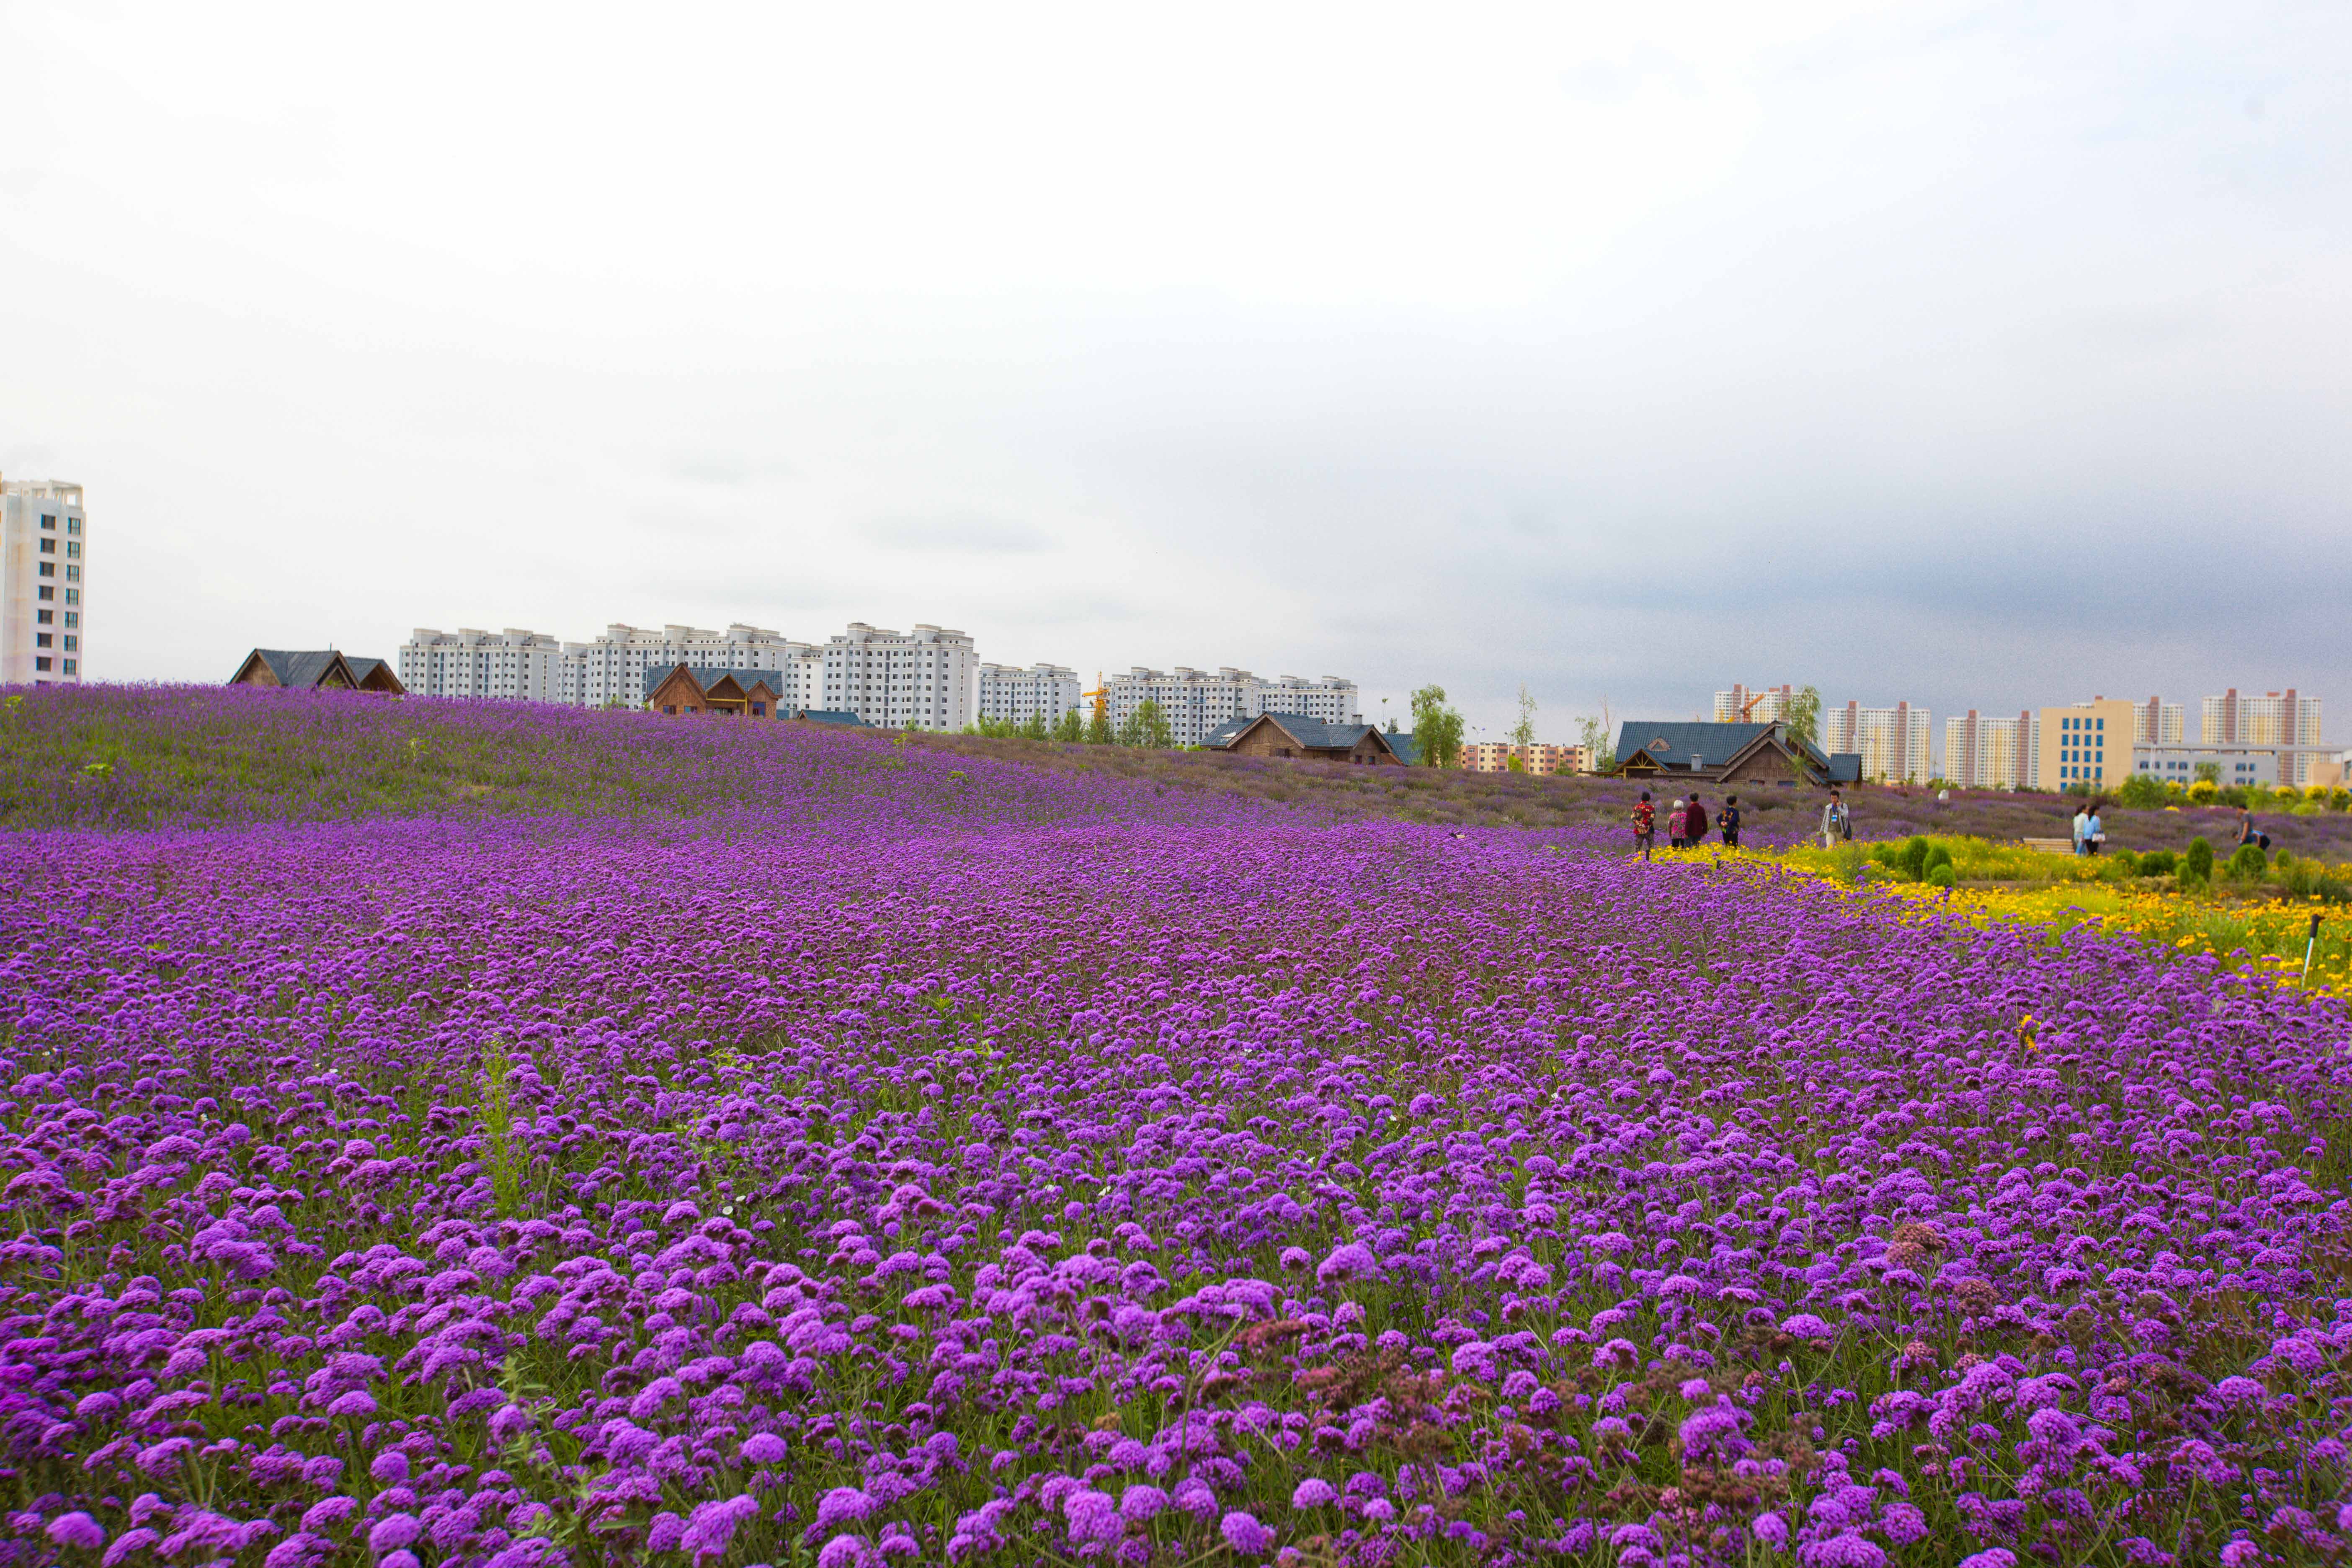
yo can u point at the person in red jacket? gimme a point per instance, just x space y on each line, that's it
1693 822
1646 825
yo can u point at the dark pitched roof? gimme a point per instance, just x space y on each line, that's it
1407 749
363 667
298 666
1673 744
1717 745
707 678
1312 733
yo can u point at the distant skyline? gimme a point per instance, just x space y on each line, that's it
1974 354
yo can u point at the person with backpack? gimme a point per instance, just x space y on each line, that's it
1693 822
1836 824
1728 821
2246 833
1646 825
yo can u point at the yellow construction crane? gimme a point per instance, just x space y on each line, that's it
1101 695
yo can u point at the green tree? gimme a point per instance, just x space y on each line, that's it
2141 791
1033 727
1147 727
1070 728
1599 744
1800 724
1098 731
1523 733
1436 729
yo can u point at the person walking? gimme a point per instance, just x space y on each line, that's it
1727 819
2246 833
2082 830
1646 825
1675 825
2095 836
1694 824
1835 824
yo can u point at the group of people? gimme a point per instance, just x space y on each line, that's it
1685 823
2090 833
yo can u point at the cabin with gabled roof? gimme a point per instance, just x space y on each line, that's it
1728 754
1289 735
317 669
729 693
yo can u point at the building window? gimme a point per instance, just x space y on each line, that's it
73 643
49 547
73 548
73 525
49 594
70 667
45 616
73 596
41 639
48 521
73 573
41 664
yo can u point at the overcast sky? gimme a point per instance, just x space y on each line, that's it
1973 355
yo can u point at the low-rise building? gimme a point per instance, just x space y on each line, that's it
1732 754
323 670
1290 735
1540 758
684 690
2177 763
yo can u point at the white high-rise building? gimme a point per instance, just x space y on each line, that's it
920 679
612 671
1893 742
1743 705
1984 752
44 547
2157 722
515 663
1196 704
2279 719
1011 695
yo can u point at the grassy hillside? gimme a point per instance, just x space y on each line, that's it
162 756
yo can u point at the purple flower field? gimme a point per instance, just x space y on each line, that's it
864 1158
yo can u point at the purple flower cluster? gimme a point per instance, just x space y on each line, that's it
846 1176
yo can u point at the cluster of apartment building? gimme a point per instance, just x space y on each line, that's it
931 677
1540 757
2244 739
44 556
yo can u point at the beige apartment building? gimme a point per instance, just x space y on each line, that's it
44 552
1542 758
2088 744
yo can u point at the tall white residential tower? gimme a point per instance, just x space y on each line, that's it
44 548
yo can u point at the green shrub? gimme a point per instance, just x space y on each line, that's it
2158 863
2248 863
1937 855
2199 863
1940 874
2126 862
1913 860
